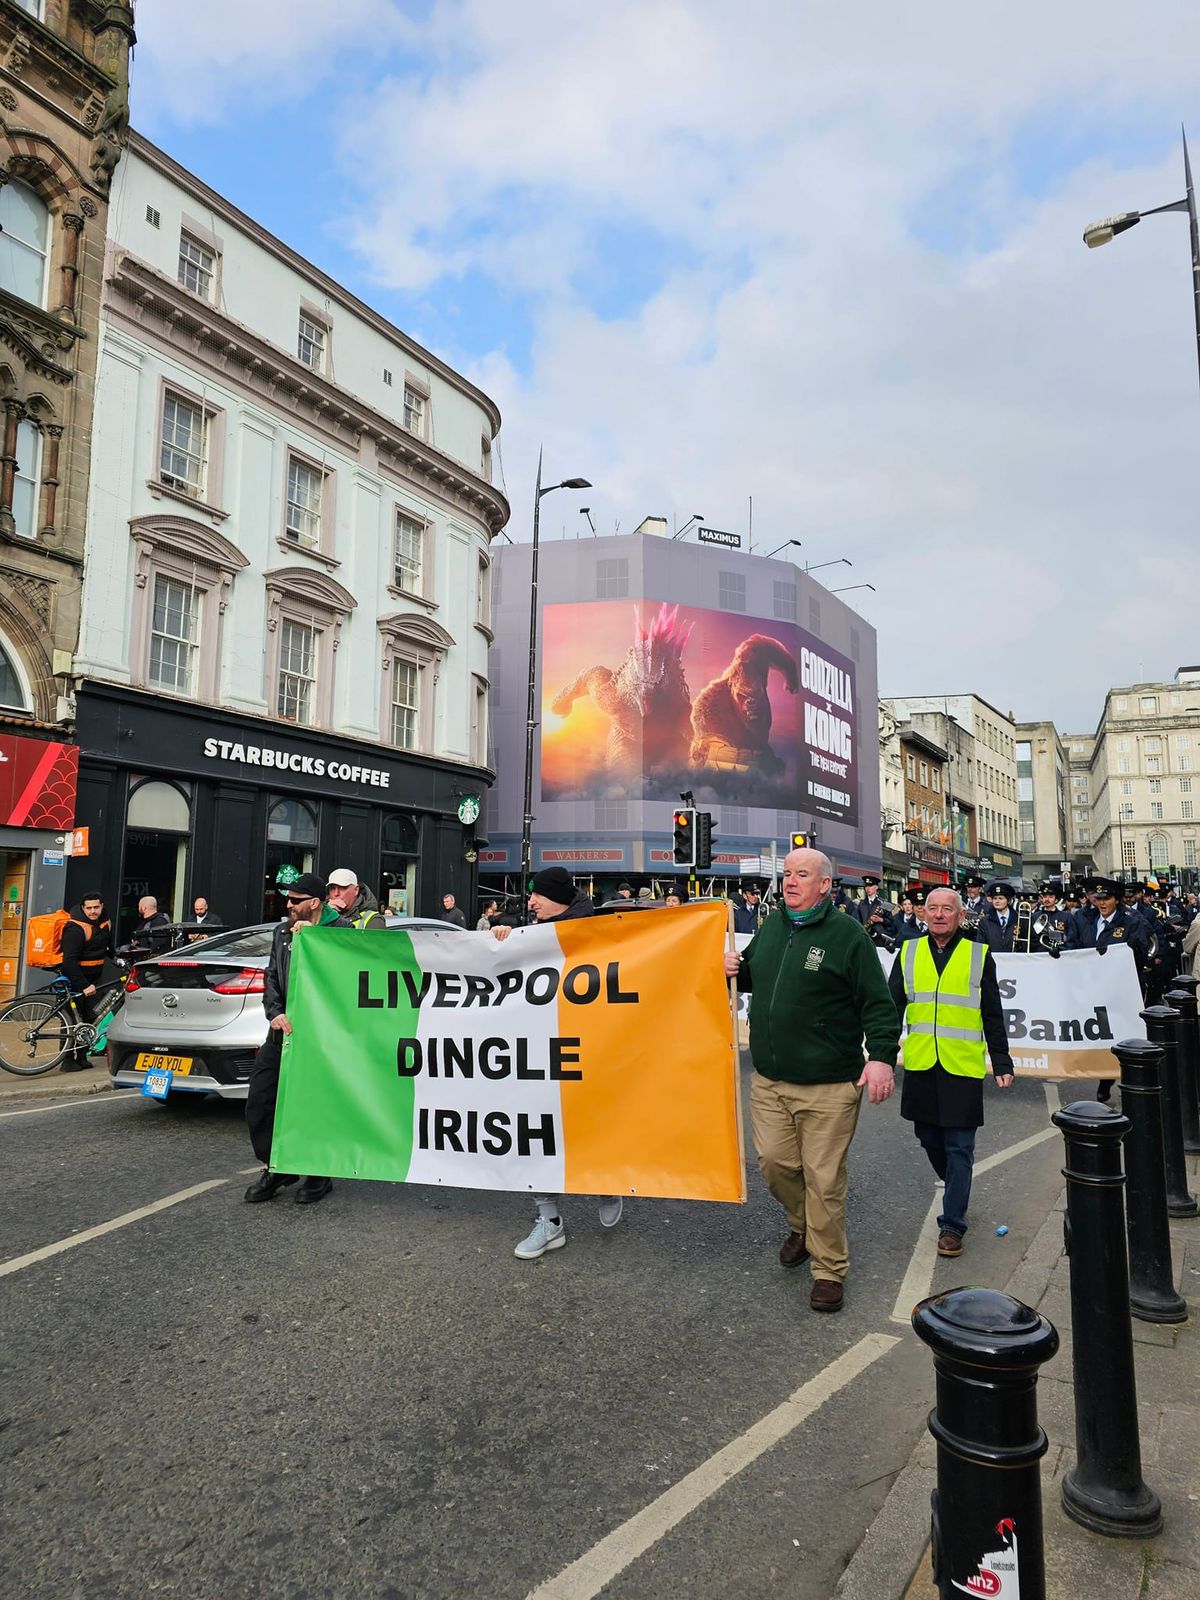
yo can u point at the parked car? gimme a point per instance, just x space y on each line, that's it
197 1013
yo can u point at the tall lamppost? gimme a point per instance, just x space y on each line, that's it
1101 232
840 561
530 706
783 546
852 586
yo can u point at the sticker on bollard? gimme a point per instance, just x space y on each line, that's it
987 1348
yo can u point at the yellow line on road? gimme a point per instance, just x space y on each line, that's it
585 1578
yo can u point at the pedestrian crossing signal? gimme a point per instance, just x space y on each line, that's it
683 839
803 841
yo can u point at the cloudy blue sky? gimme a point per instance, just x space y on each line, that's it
828 256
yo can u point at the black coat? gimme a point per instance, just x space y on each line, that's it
84 941
940 1097
1125 928
865 909
908 928
999 940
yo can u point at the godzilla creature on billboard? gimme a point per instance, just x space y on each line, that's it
642 702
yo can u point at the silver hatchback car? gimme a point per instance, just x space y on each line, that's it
194 1018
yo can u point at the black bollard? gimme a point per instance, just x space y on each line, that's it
1104 1490
987 1507
1152 1296
1183 997
1161 1023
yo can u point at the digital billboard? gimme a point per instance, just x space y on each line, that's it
644 700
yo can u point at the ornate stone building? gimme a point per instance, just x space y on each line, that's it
63 118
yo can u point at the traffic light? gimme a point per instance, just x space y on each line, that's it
683 839
704 834
803 841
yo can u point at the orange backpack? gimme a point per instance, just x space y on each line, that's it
43 939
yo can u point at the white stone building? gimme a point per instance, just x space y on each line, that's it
288 559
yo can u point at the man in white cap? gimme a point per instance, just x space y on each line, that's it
353 900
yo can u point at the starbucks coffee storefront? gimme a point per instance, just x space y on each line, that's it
184 800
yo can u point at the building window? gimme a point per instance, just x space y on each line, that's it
479 724
12 691
935 780
405 705
1121 703
1160 850
34 7
27 479
1155 785
1183 763
732 591
196 264
785 601
310 343
387 377
1125 812
1185 810
1079 782
1122 744
1083 836
1156 811
1183 741
1129 854
24 242
1154 745
1148 705
483 593
1153 763
612 578
414 411
1123 764
183 457
174 630
1189 852
297 672
304 486
1126 786
910 763
409 554
924 775
1185 786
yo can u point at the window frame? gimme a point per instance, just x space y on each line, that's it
200 239
307 674
419 389
191 553
300 595
213 444
43 302
483 595
326 513
24 707
192 645
418 642
423 594
318 321
34 479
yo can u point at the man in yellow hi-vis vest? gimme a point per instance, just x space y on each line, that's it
945 988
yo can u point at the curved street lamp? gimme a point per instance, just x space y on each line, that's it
782 546
1108 227
530 707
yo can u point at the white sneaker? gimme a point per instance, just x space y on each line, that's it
544 1235
610 1210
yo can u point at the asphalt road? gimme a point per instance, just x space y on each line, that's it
372 1398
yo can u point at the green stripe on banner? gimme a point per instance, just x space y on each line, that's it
343 1110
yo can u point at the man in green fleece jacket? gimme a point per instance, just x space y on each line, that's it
818 991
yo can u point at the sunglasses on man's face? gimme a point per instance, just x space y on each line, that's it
300 900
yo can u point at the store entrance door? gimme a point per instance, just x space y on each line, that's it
398 864
16 865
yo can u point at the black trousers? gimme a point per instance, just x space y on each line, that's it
262 1094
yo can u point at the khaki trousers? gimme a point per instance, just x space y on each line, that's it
802 1133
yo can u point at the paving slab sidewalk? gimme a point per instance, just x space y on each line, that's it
90 1081
892 1563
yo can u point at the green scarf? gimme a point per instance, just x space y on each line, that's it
801 917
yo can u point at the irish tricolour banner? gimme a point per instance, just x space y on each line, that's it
594 1056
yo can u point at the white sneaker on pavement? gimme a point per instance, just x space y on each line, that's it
611 1208
546 1234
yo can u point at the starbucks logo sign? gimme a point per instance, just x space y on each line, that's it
468 809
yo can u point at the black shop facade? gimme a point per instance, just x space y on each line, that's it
183 800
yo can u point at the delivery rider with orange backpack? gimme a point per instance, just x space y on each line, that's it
87 952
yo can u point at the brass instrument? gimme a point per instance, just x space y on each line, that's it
1023 933
971 921
1050 932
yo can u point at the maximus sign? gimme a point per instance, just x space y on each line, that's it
277 760
731 541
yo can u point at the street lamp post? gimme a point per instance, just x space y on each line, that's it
783 546
530 706
842 561
1102 232
852 586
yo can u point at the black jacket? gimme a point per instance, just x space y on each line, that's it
999 940
938 1096
907 928
454 916
1125 928
151 936
864 910
745 918
581 906
275 983
86 946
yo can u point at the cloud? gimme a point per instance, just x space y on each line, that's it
842 273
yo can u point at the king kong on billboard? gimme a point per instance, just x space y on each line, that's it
640 702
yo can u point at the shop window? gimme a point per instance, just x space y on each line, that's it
400 850
24 242
158 825
290 850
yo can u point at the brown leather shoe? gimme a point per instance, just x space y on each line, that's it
949 1243
826 1295
793 1251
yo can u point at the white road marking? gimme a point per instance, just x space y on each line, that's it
88 1234
918 1275
100 1099
587 1576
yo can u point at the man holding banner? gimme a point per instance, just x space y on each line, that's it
818 990
946 987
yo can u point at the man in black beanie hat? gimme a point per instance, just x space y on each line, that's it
555 898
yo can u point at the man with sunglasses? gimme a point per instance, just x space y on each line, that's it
306 907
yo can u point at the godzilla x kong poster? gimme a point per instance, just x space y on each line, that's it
641 700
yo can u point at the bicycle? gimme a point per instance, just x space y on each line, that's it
38 1031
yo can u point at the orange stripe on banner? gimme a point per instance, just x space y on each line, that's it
655 1112
34 787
